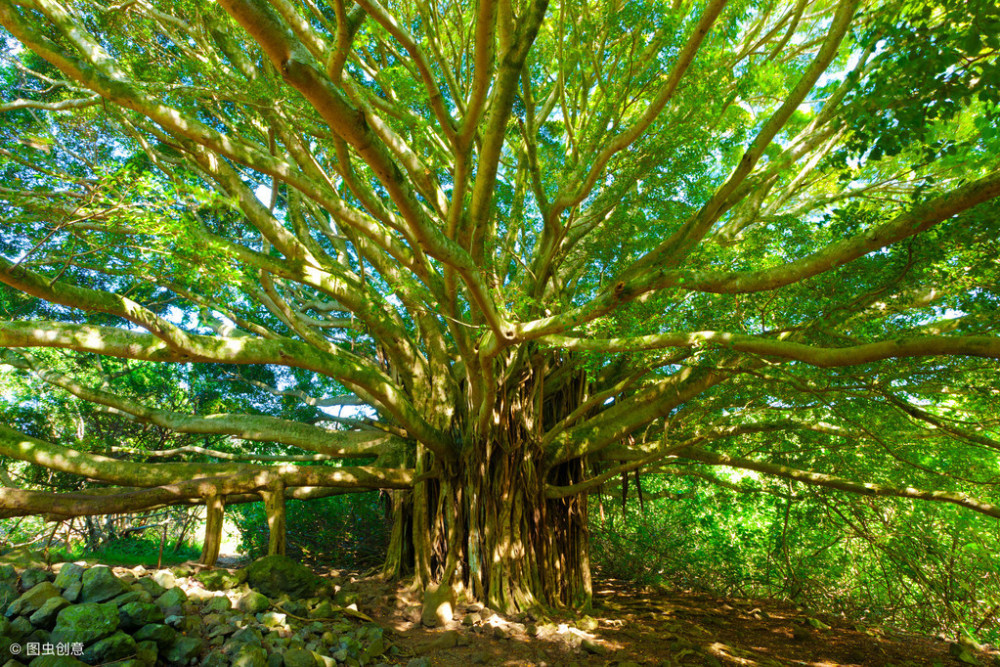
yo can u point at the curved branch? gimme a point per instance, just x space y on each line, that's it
839 483
824 357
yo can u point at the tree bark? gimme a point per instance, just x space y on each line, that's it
215 506
274 506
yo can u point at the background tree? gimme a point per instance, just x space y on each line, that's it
535 246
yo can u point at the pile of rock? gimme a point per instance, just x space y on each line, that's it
274 613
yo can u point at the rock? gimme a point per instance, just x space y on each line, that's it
72 592
273 619
20 627
218 604
45 617
151 587
593 647
471 619
8 588
438 604
163 635
85 623
277 574
587 624
134 615
249 655
423 661
146 652
253 603
37 636
69 574
32 600
221 580
33 576
322 610
216 659
275 660
56 661
117 646
100 584
173 597
299 657
164 578
183 650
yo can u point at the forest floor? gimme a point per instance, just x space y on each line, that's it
633 626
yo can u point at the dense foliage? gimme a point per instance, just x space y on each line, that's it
491 257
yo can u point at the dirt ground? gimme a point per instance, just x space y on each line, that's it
631 626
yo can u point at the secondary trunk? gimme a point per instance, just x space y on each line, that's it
489 532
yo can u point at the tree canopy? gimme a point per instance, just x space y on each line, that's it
495 255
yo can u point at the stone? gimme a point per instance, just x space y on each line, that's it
163 635
72 592
277 574
215 659
69 573
593 647
8 573
20 627
587 624
151 587
322 610
146 652
422 661
164 578
100 584
32 600
438 604
273 619
85 623
275 660
129 596
221 580
8 593
33 576
56 661
37 636
249 655
471 619
45 617
218 604
299 657
173 597
117 646
183 650
134 615
253 603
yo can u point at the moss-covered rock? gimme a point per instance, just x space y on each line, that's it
100 585
221 580
85 623
277 574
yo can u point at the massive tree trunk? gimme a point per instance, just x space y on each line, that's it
489 532
484 525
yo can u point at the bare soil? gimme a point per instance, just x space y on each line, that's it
647 627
